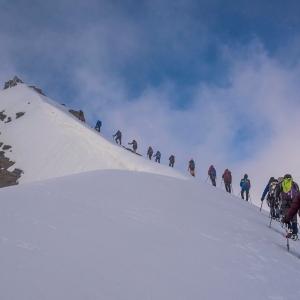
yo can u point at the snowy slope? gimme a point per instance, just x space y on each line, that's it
49 142
115 234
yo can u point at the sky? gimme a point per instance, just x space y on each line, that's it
213 80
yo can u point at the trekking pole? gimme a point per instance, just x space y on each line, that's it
232 189
206 178
287 242
239 194
250 198
221 184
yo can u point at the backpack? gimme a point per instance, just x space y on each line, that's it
172 158
290 195
99 123
272 188
158 154
227 176
213 171
246 184
192 165
150 150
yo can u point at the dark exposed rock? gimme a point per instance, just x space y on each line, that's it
2 115
4 161
6 147
8 178
12 83
8 120
1 144
63 104
16 80
78 114
20 114
37 90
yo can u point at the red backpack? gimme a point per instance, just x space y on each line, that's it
227 176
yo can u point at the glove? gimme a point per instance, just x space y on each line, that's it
262 199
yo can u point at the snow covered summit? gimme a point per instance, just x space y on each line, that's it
47 141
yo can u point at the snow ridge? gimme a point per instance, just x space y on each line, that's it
49 142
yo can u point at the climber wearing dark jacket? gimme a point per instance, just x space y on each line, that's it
227 180
134 145
172 160
295 206
118 136
288 191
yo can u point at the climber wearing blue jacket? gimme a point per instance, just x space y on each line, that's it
98 125
158 156
245 186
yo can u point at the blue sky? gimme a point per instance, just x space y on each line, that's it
190 78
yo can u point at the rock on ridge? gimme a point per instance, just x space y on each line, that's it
12 83
16 80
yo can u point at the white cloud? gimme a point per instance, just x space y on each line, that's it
262 98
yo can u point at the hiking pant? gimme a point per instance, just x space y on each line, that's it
134 149
118 139
227 187
157 159
247 194
192 171
150 155
97 128
274 208
171 164
285 206
213 179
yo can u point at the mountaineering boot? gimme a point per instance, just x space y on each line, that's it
294 237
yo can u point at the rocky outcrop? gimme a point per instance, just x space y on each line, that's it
2 115
12 83
16 80
20 114
78 114
37 90
8 178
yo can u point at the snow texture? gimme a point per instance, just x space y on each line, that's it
108 232
114 234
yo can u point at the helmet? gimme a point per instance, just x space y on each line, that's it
287 176
245 176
